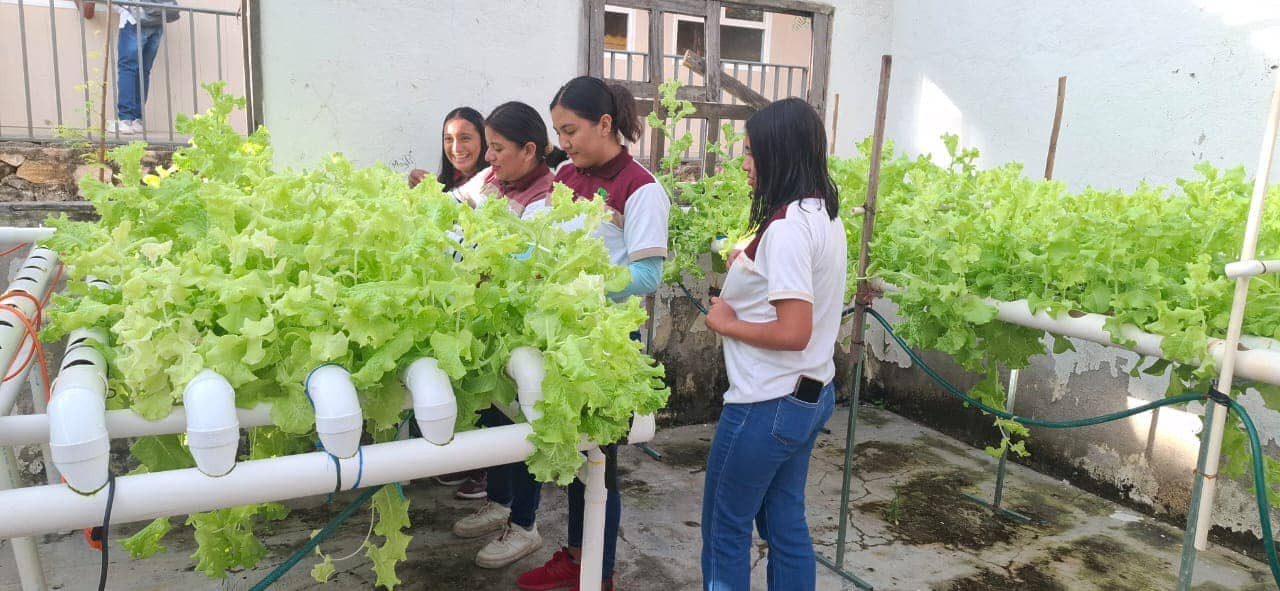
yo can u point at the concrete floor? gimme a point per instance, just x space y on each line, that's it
910 529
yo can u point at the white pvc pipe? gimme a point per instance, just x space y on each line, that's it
33 279
1234 326
527 368
1251 268
25 552
14 235
434 406
78 441
10 389
1261 363
339 421
595 497
139 497
213 429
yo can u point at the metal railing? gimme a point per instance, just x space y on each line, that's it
202 45
773 81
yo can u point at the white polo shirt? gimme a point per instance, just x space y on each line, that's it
636 200
800 254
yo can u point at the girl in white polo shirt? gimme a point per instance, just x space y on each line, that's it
779 314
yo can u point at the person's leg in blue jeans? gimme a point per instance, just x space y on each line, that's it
151 39
511 485
128 101
759 451
781 521
612 511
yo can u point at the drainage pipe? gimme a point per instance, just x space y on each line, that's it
594 497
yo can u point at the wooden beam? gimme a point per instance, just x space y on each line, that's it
594 42
730 84
689 7
794 7
821 63
706 110
712 75
657 141
650 90
1057 127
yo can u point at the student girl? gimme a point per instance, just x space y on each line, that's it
779 314
518 156
591 120
462 149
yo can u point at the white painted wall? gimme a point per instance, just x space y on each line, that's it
1154 86
374 78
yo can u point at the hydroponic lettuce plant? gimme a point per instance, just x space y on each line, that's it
223 262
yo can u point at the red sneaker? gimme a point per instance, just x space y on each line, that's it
561 572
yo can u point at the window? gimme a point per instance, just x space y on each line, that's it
617 29
742 35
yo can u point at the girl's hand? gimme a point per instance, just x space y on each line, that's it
415 177
721 316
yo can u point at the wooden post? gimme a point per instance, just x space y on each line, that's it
730 84
102 106
593 16
657 141
862 302
835 123
821 62
711 76
1057 126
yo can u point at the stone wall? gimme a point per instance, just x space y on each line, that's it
44 173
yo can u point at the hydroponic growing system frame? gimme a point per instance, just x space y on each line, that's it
75 429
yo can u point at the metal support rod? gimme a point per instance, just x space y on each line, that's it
1011 396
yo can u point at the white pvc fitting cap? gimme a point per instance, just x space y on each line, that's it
339 421
79 444
528 369
434 406
213 429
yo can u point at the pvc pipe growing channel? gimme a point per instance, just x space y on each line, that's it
1260 362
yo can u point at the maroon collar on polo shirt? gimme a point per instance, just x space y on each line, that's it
611 168
538 171
750 251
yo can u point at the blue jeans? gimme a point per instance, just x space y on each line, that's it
511 485
756 471
131 92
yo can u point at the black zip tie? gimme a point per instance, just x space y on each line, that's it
1218 396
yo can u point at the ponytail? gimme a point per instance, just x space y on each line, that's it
591 98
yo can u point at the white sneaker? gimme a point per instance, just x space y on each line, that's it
515 543
136 124
121 127
489 518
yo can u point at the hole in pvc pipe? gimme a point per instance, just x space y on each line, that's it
5 323
1076 314
39 256
77 342
77 362
36 267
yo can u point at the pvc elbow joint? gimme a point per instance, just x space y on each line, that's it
528 369
434 406
79 444
339 421
213 429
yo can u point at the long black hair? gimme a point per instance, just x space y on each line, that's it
789 148
448 173
522 124
591 98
